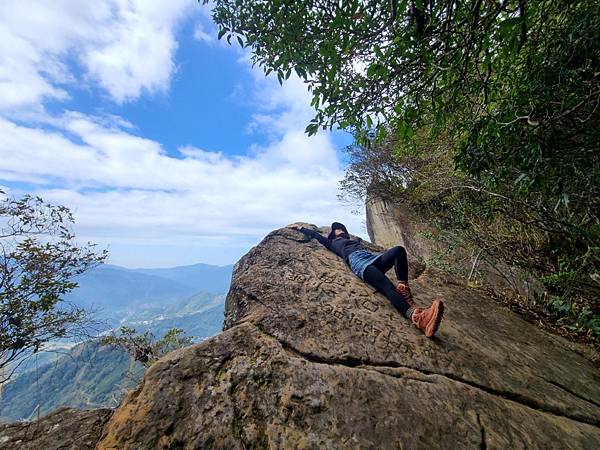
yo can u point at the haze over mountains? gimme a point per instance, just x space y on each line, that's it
110 289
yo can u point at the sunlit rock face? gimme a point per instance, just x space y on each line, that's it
314 358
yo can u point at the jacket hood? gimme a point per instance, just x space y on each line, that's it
337 226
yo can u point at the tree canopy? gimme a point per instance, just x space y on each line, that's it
513 82
145 347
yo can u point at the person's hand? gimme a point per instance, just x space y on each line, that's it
294 227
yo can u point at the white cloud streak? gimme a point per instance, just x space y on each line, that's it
293 177
201 35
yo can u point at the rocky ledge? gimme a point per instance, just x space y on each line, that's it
312 357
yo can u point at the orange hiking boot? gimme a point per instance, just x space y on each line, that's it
404 290
428 320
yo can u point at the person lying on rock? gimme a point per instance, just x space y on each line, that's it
371 267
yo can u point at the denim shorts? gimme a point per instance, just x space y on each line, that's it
360 259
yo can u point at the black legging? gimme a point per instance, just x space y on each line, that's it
374 274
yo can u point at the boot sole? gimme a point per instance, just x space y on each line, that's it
432 328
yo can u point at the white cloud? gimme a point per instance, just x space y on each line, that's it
207 31
126 46
201 35
136 50
146 194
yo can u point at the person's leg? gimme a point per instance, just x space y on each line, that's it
394 257
377 278
427 320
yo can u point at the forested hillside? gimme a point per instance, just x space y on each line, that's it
88 376
112 289
91 375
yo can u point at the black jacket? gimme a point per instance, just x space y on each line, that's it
340 246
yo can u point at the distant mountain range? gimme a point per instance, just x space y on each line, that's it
190 297
112 289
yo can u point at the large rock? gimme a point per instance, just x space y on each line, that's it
313 358
64 429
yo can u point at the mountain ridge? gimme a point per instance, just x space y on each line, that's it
110 288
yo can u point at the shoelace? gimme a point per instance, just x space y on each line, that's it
405 291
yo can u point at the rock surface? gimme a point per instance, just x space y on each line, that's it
64 429
389 224
313 358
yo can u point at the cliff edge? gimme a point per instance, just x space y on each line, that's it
312 357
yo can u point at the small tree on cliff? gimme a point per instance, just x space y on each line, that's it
145 348
38 263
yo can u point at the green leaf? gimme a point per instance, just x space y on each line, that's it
316 100
301 72
372 70
520 177
312 129
510 23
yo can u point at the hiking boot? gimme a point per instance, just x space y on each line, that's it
428 320
404 290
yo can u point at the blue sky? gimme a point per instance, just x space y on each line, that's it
167 145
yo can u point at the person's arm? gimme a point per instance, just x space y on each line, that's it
315 234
